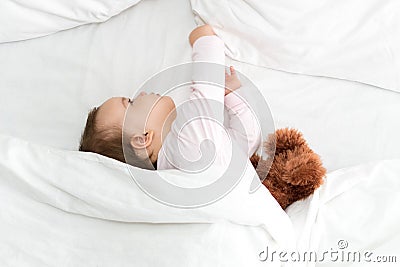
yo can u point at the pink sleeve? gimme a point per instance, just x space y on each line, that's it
209 49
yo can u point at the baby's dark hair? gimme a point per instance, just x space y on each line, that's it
108 142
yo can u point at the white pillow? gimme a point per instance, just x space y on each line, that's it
25 19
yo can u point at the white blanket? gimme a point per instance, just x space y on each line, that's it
356 40
356 210
66 208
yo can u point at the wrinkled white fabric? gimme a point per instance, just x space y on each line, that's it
356 40
356 211
24 19
48 84
66 208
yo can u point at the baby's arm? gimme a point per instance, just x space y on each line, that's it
202 116
243 126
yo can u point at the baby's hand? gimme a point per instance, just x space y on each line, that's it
232 81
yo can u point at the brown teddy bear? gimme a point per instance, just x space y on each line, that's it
296 171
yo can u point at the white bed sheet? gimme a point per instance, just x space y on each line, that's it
48 84
72 71
346 123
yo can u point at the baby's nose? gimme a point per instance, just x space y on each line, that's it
142 93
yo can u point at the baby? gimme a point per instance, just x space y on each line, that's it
151 134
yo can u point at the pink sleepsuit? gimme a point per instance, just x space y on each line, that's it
180 153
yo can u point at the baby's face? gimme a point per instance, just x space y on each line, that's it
148 110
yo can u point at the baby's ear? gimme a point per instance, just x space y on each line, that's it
141 141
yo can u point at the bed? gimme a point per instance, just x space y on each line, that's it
336 80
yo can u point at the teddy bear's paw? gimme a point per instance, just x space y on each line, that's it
303 168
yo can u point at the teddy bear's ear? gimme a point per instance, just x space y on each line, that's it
262 166
283 140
